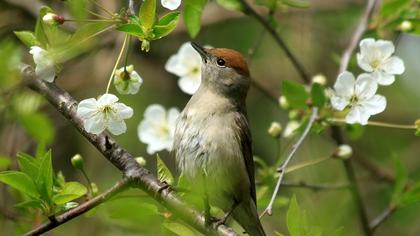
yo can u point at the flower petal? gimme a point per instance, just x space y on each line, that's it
394 65
357 115
365 86
45 72
107 99
117 127
344 85
383 78
189 84
374 105
95 124
385 47
171 4
363 63
123 111
155 112
339 103
86 108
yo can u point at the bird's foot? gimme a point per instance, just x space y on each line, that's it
164 186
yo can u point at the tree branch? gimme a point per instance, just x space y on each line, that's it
315 187
382 217
84 207
336 133
138 176
248 10
283 167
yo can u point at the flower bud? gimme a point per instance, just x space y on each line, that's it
283 103
77 161
343 151
145 45
94 188
294 114
141 161
319 79
275 129
406 26
290 129
417 125
70 205
52 19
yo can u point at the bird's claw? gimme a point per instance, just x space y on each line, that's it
165 186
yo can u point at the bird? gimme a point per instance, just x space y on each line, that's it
212 140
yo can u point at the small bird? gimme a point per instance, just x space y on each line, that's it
212 142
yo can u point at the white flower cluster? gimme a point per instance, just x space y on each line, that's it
359 95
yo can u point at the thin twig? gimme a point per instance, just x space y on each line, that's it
296 63
283 167
83 208
315 187
382 217
357 35
336 133
131 7
139 176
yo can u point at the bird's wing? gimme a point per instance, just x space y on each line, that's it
246 143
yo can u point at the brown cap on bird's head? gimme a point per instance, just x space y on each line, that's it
232 58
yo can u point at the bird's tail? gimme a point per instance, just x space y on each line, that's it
247 216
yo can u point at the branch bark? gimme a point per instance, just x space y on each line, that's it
138 176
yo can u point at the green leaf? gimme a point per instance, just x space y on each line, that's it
40 27
296 219
28 38
29 204
295 94
164 174
19 181
391 7
38 126
70 191
410 197
166 25
44 180
78 8
132 29
28 165
193 9
233 5
318 95
400 180
178 229
4 162
147 15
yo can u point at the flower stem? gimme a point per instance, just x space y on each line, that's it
116 63
378 123
92 20
306 164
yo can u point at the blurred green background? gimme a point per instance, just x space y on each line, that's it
316 35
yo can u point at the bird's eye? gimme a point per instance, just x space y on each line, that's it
220 62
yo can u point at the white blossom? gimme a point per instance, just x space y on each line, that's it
376 57
157 129
127 80
171 4
45 68
343 151
357 95
186 64
104 113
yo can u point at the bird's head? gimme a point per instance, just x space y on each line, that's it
224 70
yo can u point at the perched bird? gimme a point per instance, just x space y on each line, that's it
212 141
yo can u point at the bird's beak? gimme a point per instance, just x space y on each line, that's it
201 50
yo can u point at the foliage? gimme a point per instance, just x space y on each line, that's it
41 187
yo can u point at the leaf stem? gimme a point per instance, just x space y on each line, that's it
116 63
305 164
